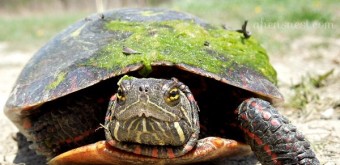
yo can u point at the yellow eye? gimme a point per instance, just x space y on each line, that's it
120 95
172 97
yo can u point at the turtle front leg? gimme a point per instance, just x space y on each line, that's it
271 136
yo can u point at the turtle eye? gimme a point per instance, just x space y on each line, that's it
120 96
173 96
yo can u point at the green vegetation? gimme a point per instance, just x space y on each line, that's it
59 79
34 31
304 92
183 42
273 23
309 15
219 11
125 77
25 32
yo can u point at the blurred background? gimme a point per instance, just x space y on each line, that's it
30 23
302 39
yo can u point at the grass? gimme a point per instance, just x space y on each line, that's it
309 15
274 23
305 90
27 32
219 11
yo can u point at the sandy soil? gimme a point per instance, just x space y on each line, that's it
320 119
321 125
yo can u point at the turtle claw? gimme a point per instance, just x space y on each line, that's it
101 152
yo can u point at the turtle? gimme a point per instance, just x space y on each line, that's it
153 86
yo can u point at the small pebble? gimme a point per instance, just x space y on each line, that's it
327 114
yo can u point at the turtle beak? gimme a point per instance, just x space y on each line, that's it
103 153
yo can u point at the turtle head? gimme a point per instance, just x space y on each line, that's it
148 113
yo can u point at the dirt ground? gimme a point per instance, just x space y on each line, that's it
319 120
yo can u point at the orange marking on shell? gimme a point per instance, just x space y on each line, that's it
137 150
218 142
155 152
170 153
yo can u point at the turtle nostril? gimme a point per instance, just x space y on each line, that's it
143 89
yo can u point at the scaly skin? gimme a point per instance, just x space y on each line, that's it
271 136
65 124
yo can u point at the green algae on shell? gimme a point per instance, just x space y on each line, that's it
180 42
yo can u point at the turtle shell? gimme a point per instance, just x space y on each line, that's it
91 51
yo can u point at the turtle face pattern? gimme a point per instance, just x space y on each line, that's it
148 116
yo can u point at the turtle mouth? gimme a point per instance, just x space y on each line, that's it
151 136
150 131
